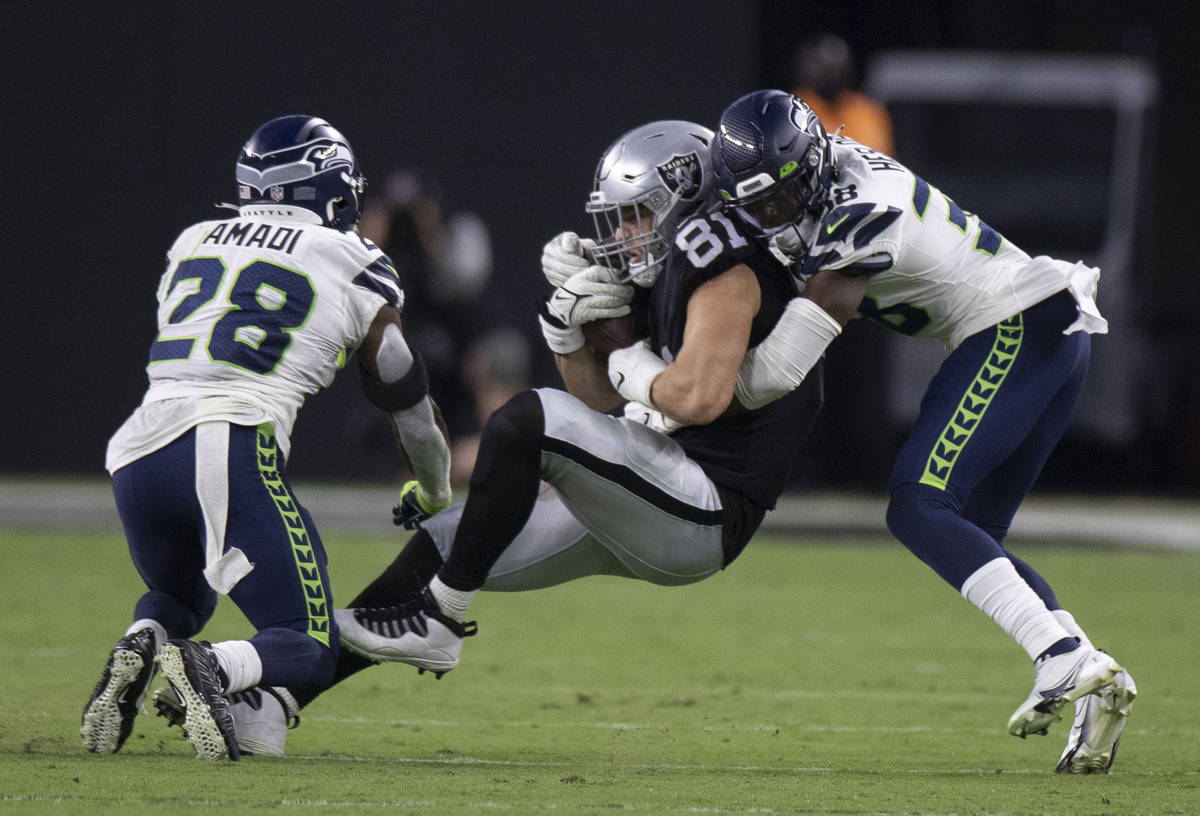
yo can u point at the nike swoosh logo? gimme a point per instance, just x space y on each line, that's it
829 228
565 298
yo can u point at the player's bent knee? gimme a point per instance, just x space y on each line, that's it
513 433
913 508
521 420
297 656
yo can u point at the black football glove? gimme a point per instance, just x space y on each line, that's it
413 509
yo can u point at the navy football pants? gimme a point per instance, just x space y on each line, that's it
988 422
286 596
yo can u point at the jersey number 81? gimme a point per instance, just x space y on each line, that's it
702 245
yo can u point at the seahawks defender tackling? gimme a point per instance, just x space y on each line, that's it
255 313
1018 332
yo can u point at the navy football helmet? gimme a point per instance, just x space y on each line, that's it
772 160
306 162
647 182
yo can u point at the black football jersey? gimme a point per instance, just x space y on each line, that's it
748 454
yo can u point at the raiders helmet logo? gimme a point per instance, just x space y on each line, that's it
681 174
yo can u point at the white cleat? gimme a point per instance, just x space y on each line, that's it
1099 720
261 716
418 634
1060 680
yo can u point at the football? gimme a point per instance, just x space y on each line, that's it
606 335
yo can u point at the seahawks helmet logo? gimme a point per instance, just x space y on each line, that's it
681 174
294 164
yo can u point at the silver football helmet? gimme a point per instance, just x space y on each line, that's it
647 183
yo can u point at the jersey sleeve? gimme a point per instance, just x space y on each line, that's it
373 284
856 239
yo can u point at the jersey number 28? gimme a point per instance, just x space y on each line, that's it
265 303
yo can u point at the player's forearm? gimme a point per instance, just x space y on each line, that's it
422 440
838 295
585 376
779 364
691 396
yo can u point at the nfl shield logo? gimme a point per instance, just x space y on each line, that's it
276 193
681 174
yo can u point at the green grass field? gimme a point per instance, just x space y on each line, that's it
812 677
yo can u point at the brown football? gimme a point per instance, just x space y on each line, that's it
614 333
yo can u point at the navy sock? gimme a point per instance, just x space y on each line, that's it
1067 644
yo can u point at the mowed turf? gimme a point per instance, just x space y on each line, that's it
813 676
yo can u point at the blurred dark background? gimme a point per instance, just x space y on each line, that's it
124 123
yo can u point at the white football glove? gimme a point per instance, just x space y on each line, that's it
592 294
565 255
652 419
632 369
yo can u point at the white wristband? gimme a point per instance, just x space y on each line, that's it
777 365
561 341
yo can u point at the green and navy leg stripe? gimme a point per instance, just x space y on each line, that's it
974 403
302 551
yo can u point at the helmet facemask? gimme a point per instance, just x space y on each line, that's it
628 239
646 183
774 162
777 205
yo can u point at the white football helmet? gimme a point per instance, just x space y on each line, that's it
647 183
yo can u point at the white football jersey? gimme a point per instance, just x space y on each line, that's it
938 270
255 313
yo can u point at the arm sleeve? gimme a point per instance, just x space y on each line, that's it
402 390
779 364
419 435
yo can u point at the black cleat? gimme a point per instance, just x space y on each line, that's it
193 672
109 713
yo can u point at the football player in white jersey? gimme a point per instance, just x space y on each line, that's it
1018 334
255 313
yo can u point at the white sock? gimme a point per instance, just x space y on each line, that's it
1068 622
160 633
240 662
1003 595
454 602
